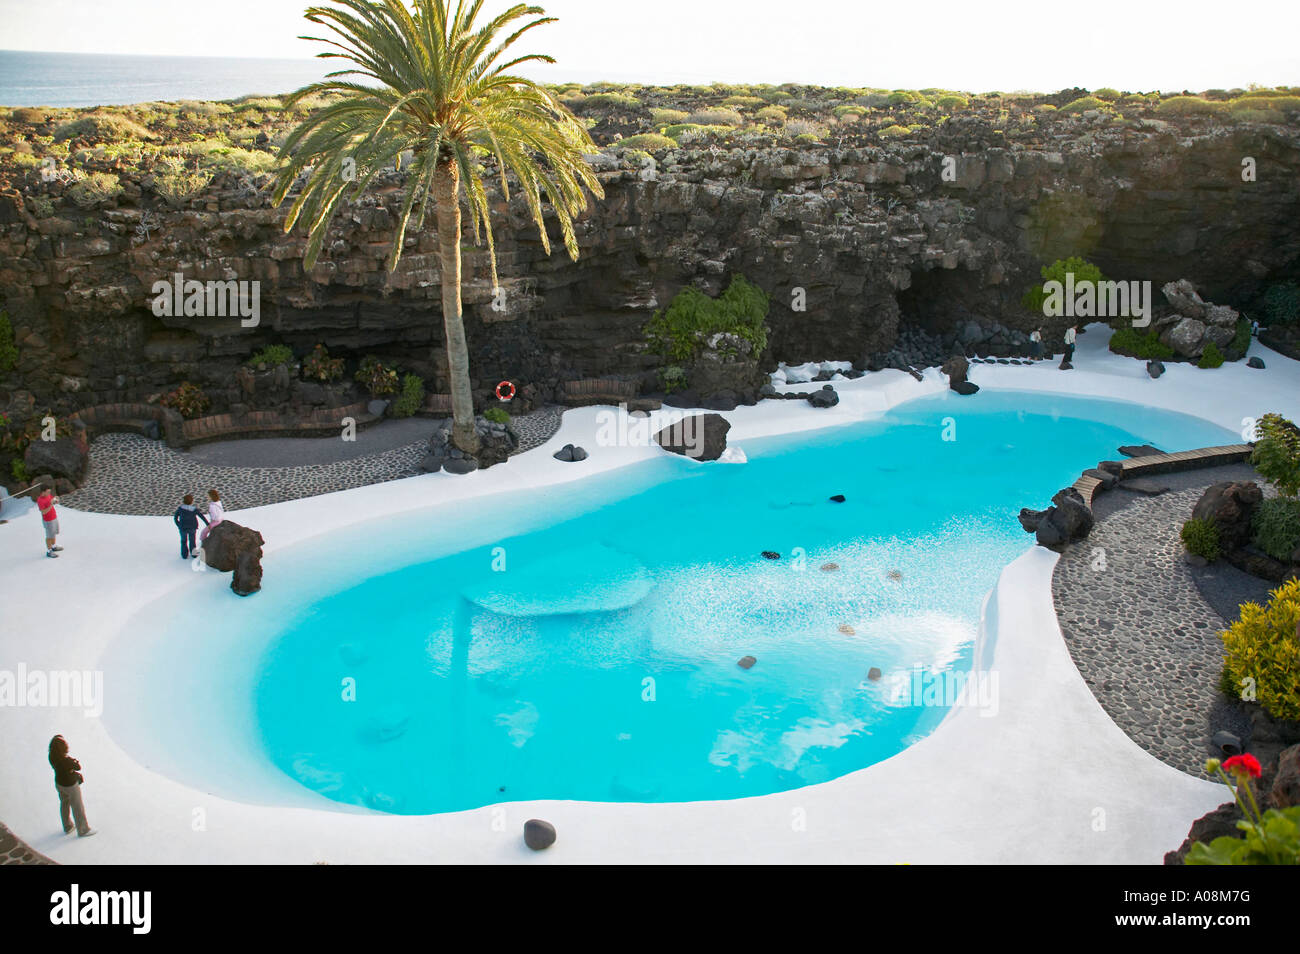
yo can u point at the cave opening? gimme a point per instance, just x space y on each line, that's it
940 301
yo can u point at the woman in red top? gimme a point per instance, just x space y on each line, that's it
49 519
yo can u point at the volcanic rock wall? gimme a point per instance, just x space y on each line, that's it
876 237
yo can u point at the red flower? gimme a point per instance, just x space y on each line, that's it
1243 763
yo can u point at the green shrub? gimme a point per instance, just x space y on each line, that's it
189 399
411 399
177 183
1211 357
952 101
1085 103
716 117
901 97
1133 343
679 331
27 115
1240 343
1262 646
664 117
1189 106
771 115
375 377
1282 303
673 377
1201 538
649 142
744 101
497 415
1107 94
894 132
1084 273
1277 453
1276 527
319 366
1227 686
617 100
99 127
272 356
8 350
95 188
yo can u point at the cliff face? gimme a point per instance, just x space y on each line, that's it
876 237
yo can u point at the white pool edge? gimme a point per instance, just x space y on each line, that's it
1049 779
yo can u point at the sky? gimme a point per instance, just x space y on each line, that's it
979 47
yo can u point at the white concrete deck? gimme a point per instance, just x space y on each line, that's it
1050 778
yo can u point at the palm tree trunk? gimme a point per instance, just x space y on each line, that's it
446 195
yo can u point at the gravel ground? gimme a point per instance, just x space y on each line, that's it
1143 625
130 474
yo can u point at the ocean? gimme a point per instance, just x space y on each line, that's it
108 79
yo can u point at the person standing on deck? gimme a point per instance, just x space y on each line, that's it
68 779
187 517
49 519
1069 349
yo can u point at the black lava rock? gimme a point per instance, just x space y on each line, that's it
538 834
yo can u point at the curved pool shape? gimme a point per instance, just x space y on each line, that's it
582 641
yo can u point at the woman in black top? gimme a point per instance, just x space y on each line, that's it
67 779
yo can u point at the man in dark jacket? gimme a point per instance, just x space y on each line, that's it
186 518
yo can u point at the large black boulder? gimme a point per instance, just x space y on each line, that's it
232 546
699 437
1068 519
66 457
1230 505
826 397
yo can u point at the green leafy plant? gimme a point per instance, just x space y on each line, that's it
1127 340
1271 837
679 332
375 377
1277 453
1262 647
272 356
93 189
673 378
1241 340
1275 527
319 366
189 399
497 415
8 350
1211 357
1084 273
18 469
1201 538
1282 303
649 142
1085 103
177 183
411 398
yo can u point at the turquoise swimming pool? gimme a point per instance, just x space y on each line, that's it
584 644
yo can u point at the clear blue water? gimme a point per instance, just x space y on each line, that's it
599 661
109 79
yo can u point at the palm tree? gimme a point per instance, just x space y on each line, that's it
424 87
